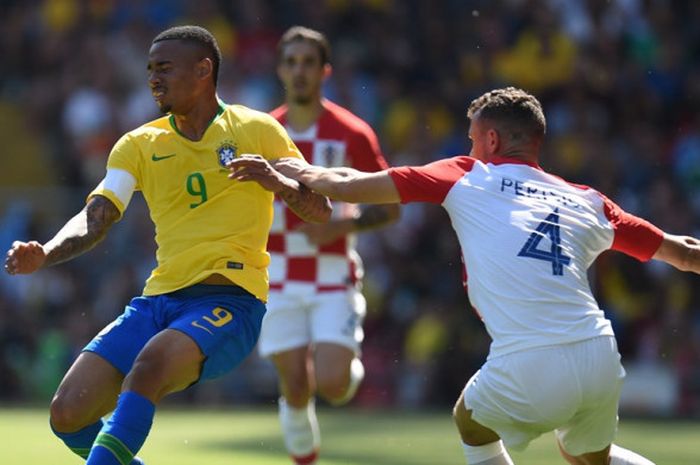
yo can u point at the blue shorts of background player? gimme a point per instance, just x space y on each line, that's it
224 321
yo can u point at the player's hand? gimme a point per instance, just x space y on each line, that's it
256 168
325 233
290 167
24 257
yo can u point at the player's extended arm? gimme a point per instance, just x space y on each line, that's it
683 252
346 184
78 235
310 206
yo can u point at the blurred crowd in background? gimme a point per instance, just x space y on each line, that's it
619 81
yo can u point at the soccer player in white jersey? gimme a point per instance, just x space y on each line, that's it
527 238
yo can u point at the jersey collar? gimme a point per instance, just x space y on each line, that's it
513 161
220 111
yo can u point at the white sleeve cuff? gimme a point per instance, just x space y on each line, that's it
121 183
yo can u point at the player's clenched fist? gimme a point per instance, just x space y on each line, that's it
24 257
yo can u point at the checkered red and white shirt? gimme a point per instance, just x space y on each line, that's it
339 138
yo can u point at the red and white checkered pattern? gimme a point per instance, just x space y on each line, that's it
338 138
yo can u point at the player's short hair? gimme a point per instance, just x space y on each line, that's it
195 35
514 111
301 33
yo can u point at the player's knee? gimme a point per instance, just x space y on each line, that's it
460 419
65 414
471 432
600 457
570 459
458 411
332 384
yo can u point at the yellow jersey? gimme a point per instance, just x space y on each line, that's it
205 223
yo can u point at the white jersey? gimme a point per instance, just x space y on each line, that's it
528 238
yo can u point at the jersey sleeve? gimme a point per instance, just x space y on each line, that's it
365 152
432 182
634 236
275 142
124 157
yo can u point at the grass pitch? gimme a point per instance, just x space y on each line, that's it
233 436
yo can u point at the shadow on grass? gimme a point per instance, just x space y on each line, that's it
362 439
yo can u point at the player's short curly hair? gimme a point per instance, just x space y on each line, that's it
302 33
199 36
515 111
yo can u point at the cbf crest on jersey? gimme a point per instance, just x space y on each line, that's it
226 152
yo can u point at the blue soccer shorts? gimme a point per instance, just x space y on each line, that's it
224 321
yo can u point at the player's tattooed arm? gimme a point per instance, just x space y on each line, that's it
79 235
307 204
310 206
82 232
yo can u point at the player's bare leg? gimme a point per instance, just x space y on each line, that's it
170 362
591 458
88 391
338 372
482 446
611 455
296 406
294 375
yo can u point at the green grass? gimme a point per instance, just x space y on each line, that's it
350 437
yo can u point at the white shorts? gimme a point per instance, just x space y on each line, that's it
573 389
294 320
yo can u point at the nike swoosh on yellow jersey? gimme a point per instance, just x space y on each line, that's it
155 157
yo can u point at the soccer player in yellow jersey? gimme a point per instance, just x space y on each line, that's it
202 307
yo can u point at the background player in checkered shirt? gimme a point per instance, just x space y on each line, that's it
528 238
316 310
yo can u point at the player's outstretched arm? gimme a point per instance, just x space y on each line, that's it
310 206
80 234
346 184
683 252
